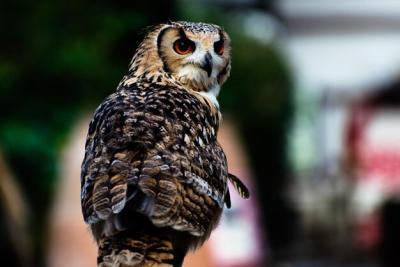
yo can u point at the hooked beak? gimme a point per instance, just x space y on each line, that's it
207 64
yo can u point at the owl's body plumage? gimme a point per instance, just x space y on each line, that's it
154 178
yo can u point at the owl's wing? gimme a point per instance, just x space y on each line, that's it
118 134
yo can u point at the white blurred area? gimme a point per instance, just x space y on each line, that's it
341 52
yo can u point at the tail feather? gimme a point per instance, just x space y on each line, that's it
135 250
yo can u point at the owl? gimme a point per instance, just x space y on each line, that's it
154 177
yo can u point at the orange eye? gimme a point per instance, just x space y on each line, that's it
184 46
219 47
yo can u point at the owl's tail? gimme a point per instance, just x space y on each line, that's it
132 249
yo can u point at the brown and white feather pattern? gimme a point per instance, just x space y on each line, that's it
154 178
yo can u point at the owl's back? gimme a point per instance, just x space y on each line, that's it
152 158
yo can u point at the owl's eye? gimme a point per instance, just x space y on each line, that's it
219 47
184 46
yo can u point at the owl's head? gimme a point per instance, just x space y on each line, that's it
197 55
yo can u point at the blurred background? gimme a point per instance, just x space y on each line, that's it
311 124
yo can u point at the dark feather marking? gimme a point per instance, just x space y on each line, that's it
221 35
228 199
223 72
182 33
239 186
160 52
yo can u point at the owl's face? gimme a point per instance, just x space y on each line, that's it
196 54
193 55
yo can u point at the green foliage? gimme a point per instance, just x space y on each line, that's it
56 59
259 81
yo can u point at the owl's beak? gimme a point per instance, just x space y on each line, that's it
207 64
